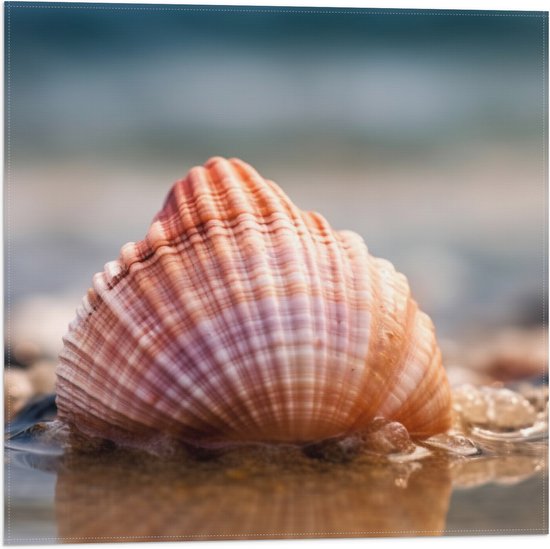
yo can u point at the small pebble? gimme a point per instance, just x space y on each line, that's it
388 437
513 354
493 407
42 377
18 391
508 410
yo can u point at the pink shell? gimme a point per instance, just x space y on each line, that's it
242 318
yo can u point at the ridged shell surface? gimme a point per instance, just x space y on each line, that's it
243 318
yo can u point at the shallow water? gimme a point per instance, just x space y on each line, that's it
483 478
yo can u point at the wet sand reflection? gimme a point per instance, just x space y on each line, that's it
247 494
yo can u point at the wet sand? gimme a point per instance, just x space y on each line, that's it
104 494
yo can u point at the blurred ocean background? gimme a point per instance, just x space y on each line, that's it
424 133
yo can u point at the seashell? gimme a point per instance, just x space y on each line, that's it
240 317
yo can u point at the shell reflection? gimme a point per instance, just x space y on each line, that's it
248 494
